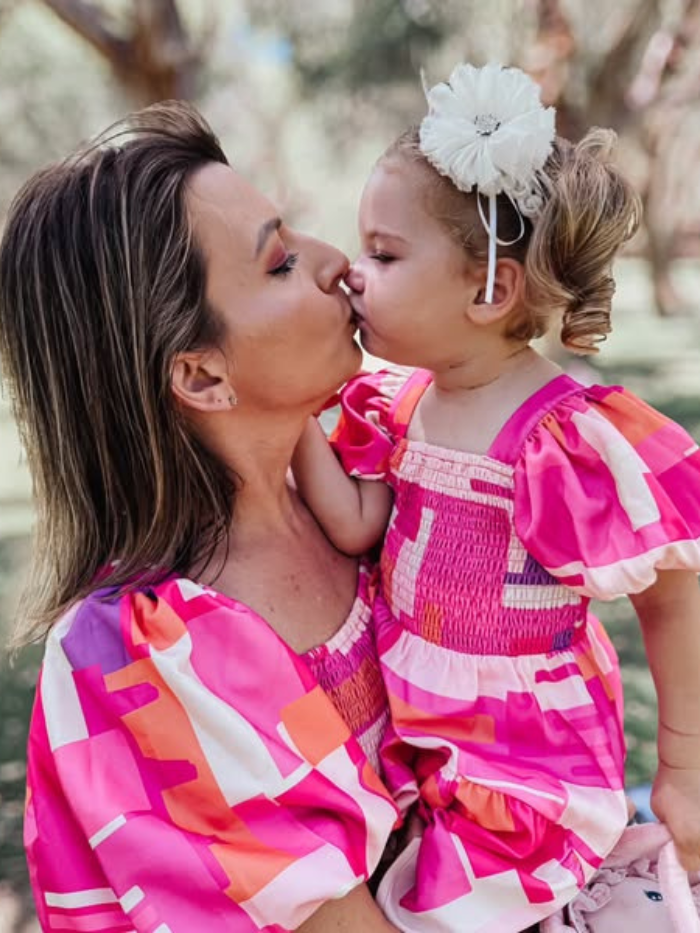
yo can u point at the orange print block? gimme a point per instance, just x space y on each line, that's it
249 864
431 624
156 624
552 425
590 670
485 806
479 728
314 725
632 417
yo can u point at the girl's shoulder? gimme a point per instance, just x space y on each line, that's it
375 410
594 423
607 491
388 392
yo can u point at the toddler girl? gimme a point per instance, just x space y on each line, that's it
518 495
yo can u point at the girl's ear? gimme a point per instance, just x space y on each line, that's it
199 380
509 284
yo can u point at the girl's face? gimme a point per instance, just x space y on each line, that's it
288 325
410 286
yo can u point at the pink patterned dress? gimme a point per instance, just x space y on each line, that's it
504 691
188 773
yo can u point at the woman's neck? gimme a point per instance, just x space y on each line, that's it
256 448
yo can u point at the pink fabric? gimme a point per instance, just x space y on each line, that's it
505 696
187 772
347 668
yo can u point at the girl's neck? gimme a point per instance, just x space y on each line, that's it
485 371
465 408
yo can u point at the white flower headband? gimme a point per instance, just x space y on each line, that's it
487 129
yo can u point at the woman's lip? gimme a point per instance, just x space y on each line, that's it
357 315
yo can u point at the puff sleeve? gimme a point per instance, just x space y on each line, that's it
364 438
607 492
186 772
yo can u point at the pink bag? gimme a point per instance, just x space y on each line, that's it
641 887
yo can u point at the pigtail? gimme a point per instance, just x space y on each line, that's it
590 211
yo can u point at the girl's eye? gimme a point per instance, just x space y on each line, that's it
382 257
286 267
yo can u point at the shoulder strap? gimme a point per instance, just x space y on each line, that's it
508 442
400 411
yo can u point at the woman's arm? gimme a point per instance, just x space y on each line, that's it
353 513
669 613
355 913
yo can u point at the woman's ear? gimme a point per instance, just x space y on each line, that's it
508 286
199 380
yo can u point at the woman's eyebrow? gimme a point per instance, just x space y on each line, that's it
267 228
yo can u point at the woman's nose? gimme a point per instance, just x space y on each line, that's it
354 279
332 268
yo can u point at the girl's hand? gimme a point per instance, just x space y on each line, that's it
675 799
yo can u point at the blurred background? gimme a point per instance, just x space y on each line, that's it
305 94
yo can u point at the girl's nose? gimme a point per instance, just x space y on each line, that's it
354 279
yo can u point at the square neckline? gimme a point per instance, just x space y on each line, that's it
506 445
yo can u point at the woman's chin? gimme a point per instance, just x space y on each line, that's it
347 363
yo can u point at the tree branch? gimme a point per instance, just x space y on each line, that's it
90 22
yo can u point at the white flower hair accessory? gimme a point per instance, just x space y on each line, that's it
487 129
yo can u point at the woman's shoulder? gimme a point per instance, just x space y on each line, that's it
171 702
113 628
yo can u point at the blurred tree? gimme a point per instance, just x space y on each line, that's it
152 53
634 65
377 43
646 84
664 99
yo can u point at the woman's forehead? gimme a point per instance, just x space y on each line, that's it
222 203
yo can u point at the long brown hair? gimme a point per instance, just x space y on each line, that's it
101 284
590 211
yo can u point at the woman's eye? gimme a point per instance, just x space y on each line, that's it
382 257
285 267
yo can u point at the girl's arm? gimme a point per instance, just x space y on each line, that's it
353 513
355 913
669 613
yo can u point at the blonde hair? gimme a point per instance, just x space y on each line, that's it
101 285
590 211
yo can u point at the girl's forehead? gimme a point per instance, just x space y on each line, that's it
393 190
394 201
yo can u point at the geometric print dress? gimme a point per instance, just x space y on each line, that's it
188 772
505 698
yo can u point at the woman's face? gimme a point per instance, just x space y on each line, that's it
288 326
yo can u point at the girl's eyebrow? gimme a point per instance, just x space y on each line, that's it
265 230
384 234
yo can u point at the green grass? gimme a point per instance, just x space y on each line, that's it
16 697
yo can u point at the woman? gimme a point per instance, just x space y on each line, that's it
165 337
